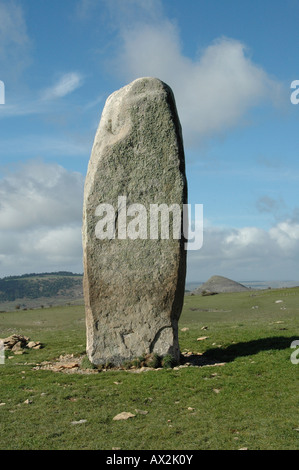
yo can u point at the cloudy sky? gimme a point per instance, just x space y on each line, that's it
230 65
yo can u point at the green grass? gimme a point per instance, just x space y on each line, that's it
252 401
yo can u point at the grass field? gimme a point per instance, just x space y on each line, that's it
250 402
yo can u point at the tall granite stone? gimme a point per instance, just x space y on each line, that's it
134 287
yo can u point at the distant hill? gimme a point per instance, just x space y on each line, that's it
43 289
218 285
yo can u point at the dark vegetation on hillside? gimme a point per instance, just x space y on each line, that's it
33 286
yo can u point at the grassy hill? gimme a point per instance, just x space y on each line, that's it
34 290
249 402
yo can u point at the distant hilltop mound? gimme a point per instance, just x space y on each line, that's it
218 285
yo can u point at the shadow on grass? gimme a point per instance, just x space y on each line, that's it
249 348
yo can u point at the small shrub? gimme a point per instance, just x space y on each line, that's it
86 364
142 359
153 360
109 365
168 362
136 363
126 364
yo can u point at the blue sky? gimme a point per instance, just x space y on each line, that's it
230 65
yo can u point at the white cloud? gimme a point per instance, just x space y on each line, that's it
128 13
45 101
84 8
40 194
286 234
68 83
41 217
13 29
71 145
248 253
14 40
213 91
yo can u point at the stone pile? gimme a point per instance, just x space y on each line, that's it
17 343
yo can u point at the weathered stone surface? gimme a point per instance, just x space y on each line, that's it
134 288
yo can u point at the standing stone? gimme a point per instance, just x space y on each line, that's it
134 288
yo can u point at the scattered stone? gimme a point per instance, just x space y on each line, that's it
141 412
202 338
143 369
184 329
137 158
190 408
123 416
81 421
70 365
278 301
148 400
216 364
67 364
216 390
204 328
2 404
17 346
28 402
